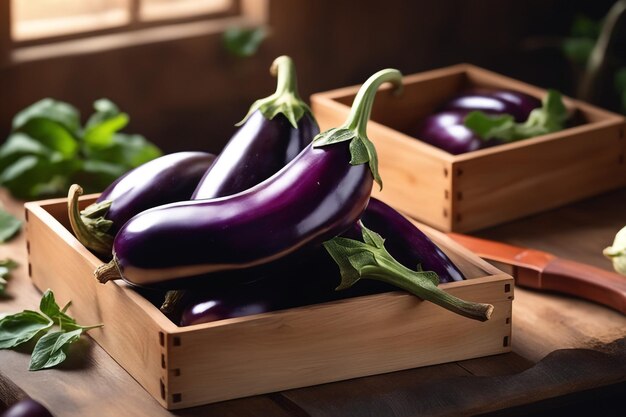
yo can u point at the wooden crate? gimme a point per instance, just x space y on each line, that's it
486 187
187 366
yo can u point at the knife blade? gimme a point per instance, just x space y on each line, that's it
543 271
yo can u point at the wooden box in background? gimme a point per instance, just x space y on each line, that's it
187 366
486 187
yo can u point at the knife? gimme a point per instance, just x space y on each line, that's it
543 271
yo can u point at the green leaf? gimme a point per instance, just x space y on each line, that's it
488 126
578 49
31 177
9 225
243 42
128 150
370 259
20 144
6 265
19 328
52 348
50 308
101 135
51 135
620 85
550 117
59 112
103 124
584 26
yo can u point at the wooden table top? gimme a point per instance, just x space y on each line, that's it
568 353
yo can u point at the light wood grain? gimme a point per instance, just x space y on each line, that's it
541 324
490 186
194 365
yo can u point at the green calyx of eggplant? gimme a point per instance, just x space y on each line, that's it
89 225
286 99
369 259
548 118
362 149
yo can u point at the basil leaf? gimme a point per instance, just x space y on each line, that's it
50 308
20 144
52 348
103 124
47 149
48 305
31 177
550 117
63 114
9 226
128 150
19 328
6 265
243 42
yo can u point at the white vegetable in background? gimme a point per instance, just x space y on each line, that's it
617 252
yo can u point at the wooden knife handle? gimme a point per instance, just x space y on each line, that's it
585 281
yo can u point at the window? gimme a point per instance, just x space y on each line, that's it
27 24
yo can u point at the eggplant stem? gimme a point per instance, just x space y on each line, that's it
362 104
107 272
172 300
285 99
99 242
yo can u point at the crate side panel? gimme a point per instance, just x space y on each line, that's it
503 186
336 341
129 335
415 182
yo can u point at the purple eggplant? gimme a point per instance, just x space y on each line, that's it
163 180
317 196
275 288
275 130
515 103
446 129
26 408
407 243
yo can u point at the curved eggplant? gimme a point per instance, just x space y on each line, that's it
517 104
318 195
276 129
26 408
163 180
275 289
407 243
446 129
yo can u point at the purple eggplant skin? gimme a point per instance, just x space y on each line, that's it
167 179
407 243
275 130
315 197
446 131
260 148
26 408
517 104
317 274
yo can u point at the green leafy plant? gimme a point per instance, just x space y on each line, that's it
9 225
595 49
550 117
47 149
6 265
55 329
243 42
